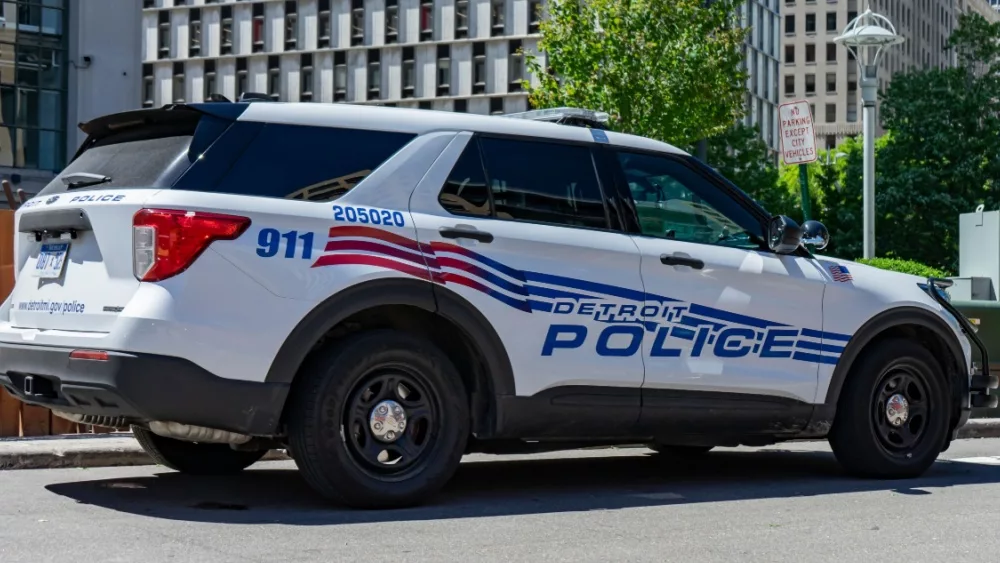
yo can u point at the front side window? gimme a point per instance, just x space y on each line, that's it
564 191
673 201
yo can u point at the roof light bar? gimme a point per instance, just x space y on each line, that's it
566 116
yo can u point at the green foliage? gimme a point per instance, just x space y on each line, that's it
904 266
743 157
665 69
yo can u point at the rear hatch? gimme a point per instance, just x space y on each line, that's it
73 244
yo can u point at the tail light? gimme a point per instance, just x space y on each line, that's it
165 242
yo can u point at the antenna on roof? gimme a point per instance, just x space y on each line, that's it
566 116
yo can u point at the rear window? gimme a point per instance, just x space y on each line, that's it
210 154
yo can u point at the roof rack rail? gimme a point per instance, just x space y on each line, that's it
218 98
566 116
255 97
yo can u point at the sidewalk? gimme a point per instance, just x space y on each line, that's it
120 449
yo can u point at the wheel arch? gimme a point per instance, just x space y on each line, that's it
493 375
911 322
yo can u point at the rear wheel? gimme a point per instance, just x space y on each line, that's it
195 458
380 419
893 413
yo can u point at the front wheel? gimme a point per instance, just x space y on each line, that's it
195 458
379 420
893 414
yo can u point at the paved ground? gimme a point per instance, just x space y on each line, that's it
790 503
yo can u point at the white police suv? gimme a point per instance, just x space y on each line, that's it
382 290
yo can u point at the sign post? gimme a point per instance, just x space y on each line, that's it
798 143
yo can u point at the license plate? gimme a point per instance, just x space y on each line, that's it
51 259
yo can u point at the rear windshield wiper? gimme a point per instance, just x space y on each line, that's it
84 179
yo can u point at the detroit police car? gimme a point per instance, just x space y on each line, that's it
381 290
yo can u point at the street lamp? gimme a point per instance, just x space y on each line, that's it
866 37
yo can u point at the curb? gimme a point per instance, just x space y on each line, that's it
119 450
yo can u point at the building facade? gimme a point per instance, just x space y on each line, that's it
762 56
457 55
60 66
816 69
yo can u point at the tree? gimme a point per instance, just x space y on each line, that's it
943 157
743 158
666 69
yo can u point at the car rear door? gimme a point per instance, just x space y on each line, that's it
519 228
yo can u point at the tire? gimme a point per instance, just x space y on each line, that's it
332 426
865 439
680 451
195 458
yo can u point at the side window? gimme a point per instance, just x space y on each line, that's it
674 202
305 162
544 182
465 191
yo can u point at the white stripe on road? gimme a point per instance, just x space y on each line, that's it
994 460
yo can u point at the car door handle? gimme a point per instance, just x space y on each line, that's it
681 261
481 236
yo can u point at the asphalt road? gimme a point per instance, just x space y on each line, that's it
789 503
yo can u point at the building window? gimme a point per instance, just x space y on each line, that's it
274 77
291 25
831 142
810 53
515 65
831 22
461 106
852 85
409 73
209 81
461 19
831 52
163 32
426 20
226 47
391 21
443 70
374 75
810 84
789 54
241 76
831 82
810 23
534 15
497 9
178 85
496 106
790 24
258 28
831 113
357 22
423 105
852 112
306 77
478 68
790 85
148 86
339 76
194 29
323 40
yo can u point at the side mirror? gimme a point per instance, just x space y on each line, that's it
784 236
815 235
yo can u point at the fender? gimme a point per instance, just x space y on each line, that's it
399 291
875 327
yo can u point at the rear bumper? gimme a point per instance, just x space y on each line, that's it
139 388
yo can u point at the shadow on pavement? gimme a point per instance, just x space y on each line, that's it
503 488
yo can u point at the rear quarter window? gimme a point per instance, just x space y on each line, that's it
305 162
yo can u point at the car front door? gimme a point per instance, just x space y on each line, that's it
734 328
519 229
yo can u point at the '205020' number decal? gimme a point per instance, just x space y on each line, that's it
269 242
368 216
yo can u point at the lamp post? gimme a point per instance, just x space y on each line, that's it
866 37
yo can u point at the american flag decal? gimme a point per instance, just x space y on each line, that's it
840 274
